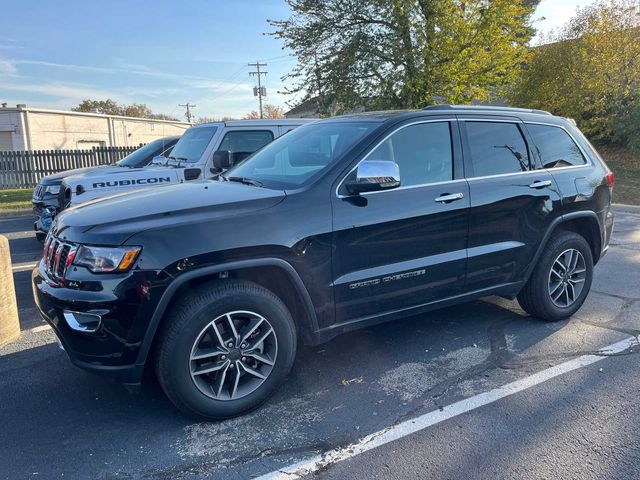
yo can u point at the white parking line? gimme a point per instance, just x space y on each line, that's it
382 437
21 267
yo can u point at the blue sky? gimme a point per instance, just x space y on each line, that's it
53 54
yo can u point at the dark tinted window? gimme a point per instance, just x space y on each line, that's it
423 153
143 156
555 146
243 143
496 148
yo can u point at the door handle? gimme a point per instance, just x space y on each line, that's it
540 184
449 197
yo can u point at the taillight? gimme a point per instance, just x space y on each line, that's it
609 178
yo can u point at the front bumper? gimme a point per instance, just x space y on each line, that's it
111 345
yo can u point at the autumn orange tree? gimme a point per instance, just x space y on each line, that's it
268 111
590 71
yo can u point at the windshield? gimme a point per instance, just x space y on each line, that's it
192 144
143 156
294 158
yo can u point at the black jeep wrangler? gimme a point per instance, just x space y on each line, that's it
337 225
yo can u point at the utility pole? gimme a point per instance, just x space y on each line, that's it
188 113
258 91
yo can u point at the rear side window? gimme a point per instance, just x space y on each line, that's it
423 153
555 147
496 148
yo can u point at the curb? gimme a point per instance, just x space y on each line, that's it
622 207
15 213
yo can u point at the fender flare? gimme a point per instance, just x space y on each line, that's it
552 228
170 291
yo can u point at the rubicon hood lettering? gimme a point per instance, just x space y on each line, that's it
137 181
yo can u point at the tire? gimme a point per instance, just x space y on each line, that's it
189 343
537 296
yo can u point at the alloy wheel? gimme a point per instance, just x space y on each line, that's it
567 278
233 355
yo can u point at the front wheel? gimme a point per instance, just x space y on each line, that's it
561 280
224 348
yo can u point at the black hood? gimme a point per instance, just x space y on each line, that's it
111 220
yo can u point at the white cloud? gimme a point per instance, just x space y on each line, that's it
70 94
7 68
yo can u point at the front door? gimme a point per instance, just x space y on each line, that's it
405 247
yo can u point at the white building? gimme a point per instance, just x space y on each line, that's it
24 128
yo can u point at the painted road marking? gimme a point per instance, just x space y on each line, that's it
23 267
387 435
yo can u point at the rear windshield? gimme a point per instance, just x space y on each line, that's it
302 154
192 144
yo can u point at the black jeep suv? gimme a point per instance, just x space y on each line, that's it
337 225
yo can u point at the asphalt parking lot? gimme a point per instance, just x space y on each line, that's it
429 383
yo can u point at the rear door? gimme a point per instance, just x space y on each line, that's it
512 199
404 247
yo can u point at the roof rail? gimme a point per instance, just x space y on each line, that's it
486 107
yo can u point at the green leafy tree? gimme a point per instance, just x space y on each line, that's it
107 107
590 71
110 107
404 53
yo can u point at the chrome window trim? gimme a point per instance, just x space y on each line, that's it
469 179
438 120
498 175
448 182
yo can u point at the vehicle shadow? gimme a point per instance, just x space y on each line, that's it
337 392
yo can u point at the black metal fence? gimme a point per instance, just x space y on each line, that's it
25 169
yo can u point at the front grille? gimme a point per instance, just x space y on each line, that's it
38 193
57 257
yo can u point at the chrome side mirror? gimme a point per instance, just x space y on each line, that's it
374 175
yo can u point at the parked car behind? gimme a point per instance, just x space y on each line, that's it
45 195
203 151
338 225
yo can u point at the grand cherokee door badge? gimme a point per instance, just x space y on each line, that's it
388 278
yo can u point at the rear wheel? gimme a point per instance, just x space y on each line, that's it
561 280
224 348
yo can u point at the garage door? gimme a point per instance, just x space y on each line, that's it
6 143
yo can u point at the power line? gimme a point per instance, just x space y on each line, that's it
188 113
258 91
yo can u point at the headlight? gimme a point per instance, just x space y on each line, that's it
52 189
106 259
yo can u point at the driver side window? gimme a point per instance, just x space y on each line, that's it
242 143
423 153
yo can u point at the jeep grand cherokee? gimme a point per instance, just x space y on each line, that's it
337 225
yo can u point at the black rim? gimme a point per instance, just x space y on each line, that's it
233 355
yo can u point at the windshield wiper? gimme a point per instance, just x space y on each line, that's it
243 180
177 159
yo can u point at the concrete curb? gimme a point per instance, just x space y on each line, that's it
15 213
621 207
9 324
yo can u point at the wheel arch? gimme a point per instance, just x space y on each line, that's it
267 272
584 223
